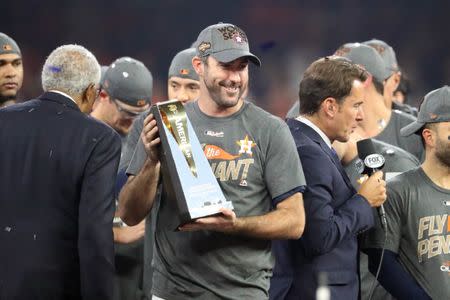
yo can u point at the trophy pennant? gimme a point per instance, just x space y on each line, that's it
174 118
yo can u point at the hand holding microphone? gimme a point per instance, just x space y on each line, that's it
374 188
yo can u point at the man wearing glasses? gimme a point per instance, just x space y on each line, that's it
126 90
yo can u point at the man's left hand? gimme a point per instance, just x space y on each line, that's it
223 222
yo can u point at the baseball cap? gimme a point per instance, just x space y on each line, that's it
225 42
181 65
344 49
102 72
128 80
368 58
434 108
386 52
8 45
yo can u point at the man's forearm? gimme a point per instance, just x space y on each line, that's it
137 196
287 221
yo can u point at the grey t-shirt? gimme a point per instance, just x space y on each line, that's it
132 140
406 108
147 248
397 161
294 111
254 159
418 219
391 134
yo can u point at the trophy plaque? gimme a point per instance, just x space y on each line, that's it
187 175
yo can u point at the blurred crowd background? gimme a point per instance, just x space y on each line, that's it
287 35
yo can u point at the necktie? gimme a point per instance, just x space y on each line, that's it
335 156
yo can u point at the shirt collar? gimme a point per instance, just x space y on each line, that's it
316 129
64 94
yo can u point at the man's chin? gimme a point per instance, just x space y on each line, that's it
343 139
231 100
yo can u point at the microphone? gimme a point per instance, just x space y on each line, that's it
373 162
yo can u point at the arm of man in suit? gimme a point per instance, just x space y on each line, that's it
329 225
137 196
96 212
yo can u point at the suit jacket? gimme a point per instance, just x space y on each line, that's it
335 215
57 174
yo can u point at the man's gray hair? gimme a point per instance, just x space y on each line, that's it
70 69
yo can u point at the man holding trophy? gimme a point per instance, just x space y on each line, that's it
254 159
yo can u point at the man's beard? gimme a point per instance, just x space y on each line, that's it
215 91
443 152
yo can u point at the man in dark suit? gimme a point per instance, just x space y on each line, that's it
58 169
331 94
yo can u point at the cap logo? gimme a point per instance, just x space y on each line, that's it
7 47
342 51
184 72
204 46
140 102
237 38
380 49
233 32
433 116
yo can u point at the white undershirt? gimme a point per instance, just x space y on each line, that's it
316 129
64 94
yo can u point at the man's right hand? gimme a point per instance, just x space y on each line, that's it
150 138
374 189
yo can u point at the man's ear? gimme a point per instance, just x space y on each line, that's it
330 107
429 137
88 99
197 63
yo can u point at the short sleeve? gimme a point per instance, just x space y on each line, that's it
375 237
131 141
283 170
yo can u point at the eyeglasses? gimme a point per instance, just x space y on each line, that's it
127 114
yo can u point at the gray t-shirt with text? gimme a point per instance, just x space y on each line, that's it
391 134
254 159
397 161
418 219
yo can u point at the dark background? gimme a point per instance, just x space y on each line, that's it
287 35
